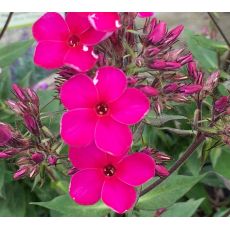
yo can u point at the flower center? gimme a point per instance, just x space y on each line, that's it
102 109
109 170
74 41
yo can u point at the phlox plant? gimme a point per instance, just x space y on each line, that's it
118 79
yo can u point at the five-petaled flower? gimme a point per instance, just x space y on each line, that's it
101 109
70 41
112 179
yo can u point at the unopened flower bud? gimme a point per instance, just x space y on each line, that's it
221 104
31 123
5 134
37 157
19 92
212 81
14 106
158 33
20 173
174 34
190 89
52 160
192 69
145 14
161 171
163 65
149 91
185 59
4 155
158 107
72 171
170 88
160 156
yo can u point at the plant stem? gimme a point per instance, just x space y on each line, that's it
6 24
219 29
197 141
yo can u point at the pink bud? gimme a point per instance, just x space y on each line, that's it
185 59
37 157
19 92
132 80
221 104
212 81
31 123
5 134
161 171
151 51
160 156
190 89
149 91
158 33
52 160
20 173
72 171
170 88
174 34
3 155
14 106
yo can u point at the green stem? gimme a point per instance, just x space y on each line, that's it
6 24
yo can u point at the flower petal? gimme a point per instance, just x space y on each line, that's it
87 157
51 26
86 185
50 54
78 22
111 83
77 127
81 58
136 169
79 92
105 21
93 37
119 196
145 14
112 137
131 107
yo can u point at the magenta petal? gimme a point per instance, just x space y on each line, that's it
51 26
81 58
77 127
79 92
131 107
93 37
50 54
78 22
136 169
145 14
111 83
105 21
119 196
87 157
86 185
112 137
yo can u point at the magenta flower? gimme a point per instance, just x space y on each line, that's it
70 41
112 179
101 109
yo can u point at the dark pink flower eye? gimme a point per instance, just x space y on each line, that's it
74 41
109 170
102 109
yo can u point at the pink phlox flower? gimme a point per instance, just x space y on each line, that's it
70 40
112 179
101 109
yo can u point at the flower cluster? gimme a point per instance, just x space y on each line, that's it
99 110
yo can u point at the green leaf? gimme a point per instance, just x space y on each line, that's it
2 176
217 46
180 132
66 206
167 193
206 57
183 209
159 121
222 164
9 53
